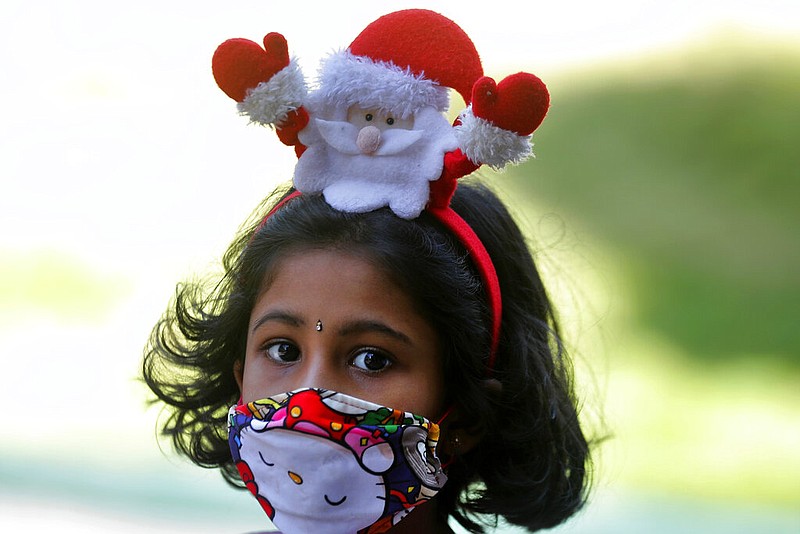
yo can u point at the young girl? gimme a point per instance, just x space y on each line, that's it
365 368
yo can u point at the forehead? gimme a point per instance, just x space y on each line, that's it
317 263
334 282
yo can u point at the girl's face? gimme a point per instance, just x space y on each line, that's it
332 320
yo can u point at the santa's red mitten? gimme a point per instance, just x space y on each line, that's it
496 128
265 82
288 129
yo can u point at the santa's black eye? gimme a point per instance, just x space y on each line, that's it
390 121
368 117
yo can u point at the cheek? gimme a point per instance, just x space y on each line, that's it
238 374
434 393
255 378
258 377
435 398
420 393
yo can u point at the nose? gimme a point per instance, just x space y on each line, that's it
319 369
368 140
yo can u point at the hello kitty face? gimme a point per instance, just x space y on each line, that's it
321 461
302 479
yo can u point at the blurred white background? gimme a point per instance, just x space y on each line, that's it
123 169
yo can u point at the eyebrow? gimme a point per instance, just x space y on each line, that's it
359 326
277 316
367 326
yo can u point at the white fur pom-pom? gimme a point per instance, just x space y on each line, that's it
271 101
483 142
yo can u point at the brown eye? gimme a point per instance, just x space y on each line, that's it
369 117
390 121
371 361
283 352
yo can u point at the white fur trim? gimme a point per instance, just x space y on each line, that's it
270 101
483 142
346 79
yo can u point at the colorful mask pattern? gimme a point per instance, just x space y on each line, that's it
320 461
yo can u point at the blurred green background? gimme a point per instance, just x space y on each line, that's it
662 205
675 179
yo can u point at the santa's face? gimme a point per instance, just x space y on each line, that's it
364 159
379 133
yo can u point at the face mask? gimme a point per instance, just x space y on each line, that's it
325 462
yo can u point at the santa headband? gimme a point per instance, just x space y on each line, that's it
371 133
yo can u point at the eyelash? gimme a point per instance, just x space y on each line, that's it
267 350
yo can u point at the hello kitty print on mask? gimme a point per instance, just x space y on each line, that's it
321 461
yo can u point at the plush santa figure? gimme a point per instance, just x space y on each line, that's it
373 132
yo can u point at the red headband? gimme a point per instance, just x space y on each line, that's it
483 262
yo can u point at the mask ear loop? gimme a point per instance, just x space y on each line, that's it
444 416
449 461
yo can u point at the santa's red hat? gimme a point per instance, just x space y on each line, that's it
402 62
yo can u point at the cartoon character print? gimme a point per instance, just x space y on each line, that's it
319 461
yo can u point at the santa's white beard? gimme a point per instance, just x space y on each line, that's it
397 174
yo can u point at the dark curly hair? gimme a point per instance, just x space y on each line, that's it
530 467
